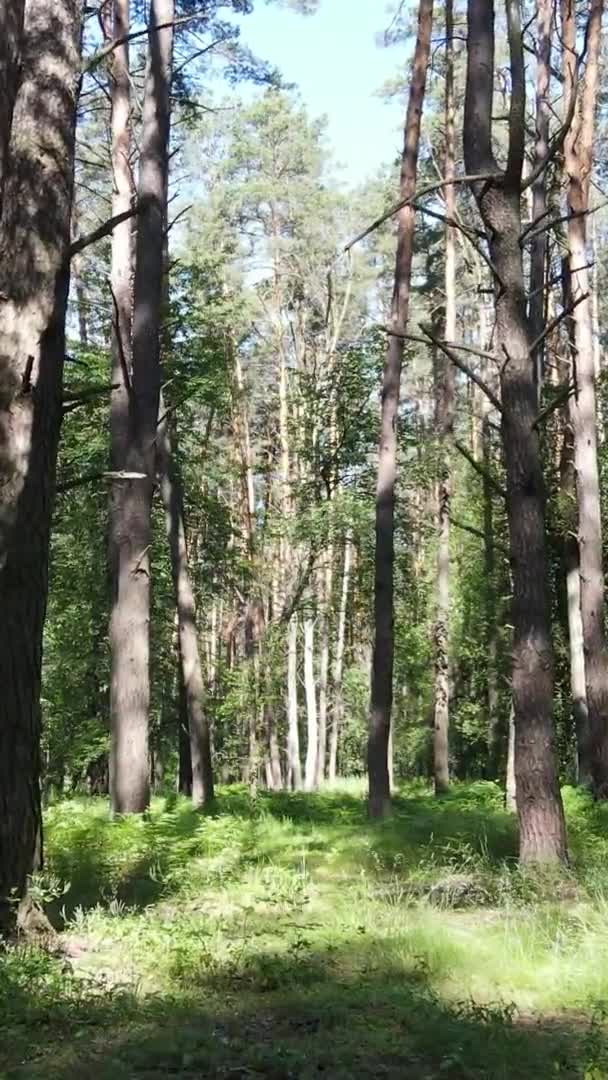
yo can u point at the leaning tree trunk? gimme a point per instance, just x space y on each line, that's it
383 649
191 674
578 158
541 818
444 421
131 600
34 280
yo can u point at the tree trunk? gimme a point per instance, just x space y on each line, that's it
310 692
191 674
511 785
578 151
131 601
541 819
383 650
184 773
538 250
11 28
444 422
294 765
327 586
338 666
34 281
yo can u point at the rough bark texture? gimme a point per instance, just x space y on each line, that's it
541 819
444 424
34 280
383 649
191 674
131 599
578 151
11 28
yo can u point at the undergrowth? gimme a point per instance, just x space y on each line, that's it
287 936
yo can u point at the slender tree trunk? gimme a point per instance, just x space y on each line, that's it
191 674
382 663
511 785
444 421
489 559
327 587
275 772
184 774
583 413
294 765
338 666
310 692
34 281
541 818
131 601
538 251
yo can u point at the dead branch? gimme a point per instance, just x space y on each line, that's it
100 232
550 327
480 469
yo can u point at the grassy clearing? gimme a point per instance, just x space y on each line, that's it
286 936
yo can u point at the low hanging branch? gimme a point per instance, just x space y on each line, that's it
100 232
480 469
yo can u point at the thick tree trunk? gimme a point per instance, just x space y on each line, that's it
338 665
191 675
578 151
131 601
34 280
294 765
541 819
310 694
444 422
383 650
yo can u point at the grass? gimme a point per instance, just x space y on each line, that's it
286 936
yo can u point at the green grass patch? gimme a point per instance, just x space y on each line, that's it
287 936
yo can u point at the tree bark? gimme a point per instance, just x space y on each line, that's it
310 693
327 576
34 282
11 29
444 423
191 674
538 251
578 157
338 665
383 649
131 601
294 765
540 811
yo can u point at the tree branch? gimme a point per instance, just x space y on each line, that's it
428 190
477 532
460 364
550 327
560 398
97 57
89 478
480 469
101 231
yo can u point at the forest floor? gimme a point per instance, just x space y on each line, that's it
286 936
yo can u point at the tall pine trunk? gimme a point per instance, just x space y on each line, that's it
383 649
310 694
37 189
578 150
540 811
131 599
294 766
338 664
444 421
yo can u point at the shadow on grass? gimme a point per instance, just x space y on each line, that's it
138 861
336 1013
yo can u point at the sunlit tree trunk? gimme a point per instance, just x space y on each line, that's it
383 650
541 818
131 600
37 188
538 251
338 665
310 693
294 765
444 422
578 156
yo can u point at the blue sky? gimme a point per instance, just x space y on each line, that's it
335 61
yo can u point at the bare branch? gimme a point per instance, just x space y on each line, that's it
97 57
100 232
477 532
560 398
460 364
480 469
550 327
90 478
428 190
